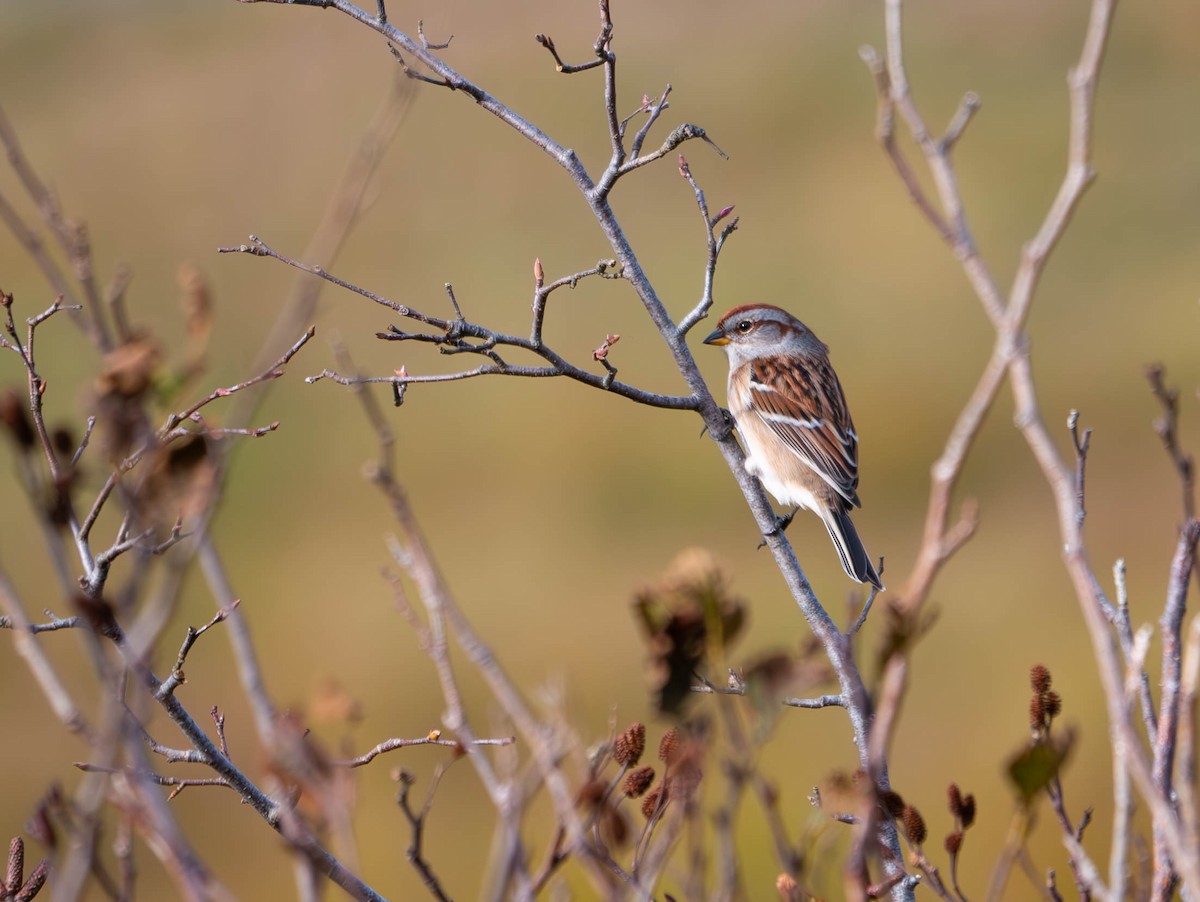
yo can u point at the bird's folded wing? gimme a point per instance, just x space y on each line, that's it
805 407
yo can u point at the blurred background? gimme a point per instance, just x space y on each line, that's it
174 129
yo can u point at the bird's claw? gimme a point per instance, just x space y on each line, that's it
727 425
781 524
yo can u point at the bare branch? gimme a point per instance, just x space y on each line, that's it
678 135
714 243
1185 782
58 623
272 372
425 42
72 237
416 821
565 67
176 677
180 783
866 608
653 111
606 269
457 335
885 131
414 74
27 647
390 745
962 118
738 687
1081 450
1167 428
432 637
823 701
1171 630
83 443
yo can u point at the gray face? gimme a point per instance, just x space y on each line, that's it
754 331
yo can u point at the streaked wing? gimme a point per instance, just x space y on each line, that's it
805 407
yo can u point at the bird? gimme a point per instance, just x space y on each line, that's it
790 411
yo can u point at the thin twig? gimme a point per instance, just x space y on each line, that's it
456 335
274 371
1171 631
176 678
416 821
390 745
715 242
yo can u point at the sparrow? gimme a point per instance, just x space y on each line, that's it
790 411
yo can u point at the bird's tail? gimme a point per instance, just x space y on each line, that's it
855 560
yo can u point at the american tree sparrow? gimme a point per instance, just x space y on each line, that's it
789 409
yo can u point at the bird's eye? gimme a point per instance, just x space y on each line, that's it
744 326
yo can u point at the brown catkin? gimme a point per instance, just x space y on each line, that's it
638 782
954 842
955 797
968 811
14 876
1037 711
914 825
1053 705
650 803
1039 678
628 748
668 745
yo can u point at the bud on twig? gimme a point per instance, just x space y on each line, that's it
601 353
788 889
399 386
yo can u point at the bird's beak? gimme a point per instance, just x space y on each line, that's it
716 337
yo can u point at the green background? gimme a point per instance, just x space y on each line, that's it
174 130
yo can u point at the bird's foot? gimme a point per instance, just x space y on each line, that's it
726 429
781 524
